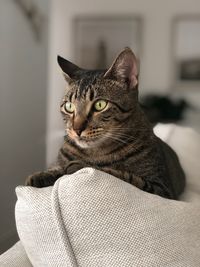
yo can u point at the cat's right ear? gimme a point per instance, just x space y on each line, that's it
69 69
124 68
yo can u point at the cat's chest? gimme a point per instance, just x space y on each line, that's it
128 159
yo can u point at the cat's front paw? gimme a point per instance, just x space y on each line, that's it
40 179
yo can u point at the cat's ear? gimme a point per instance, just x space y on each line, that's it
124 68
69 69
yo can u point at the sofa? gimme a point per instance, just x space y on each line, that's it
91 218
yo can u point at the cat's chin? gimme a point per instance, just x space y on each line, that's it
83 144
89 143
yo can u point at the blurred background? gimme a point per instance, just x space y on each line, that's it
165 35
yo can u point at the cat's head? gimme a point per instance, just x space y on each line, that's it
98 105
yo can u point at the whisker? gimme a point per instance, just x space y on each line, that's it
115 138
123 135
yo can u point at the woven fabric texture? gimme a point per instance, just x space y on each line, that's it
15 257
37 228
93 219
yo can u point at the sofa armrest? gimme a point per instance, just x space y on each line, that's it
15 257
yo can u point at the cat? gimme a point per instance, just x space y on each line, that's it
106 129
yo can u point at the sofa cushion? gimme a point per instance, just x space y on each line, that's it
91 218
186 142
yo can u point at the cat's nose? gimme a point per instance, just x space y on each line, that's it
79 124
78 131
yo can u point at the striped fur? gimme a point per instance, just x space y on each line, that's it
118 140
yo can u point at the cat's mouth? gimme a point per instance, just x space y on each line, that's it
88 138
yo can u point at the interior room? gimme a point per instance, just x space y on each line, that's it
164 35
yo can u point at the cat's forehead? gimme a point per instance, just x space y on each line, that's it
89 80
95 85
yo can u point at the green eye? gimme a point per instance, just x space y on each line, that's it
100 105
69 107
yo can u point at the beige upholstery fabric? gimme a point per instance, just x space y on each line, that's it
186 142
93 219
15 257
37 228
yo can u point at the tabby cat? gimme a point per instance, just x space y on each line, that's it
107 130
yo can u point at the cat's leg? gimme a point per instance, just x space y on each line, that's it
48 178
45 178
154 186
125 176
157 188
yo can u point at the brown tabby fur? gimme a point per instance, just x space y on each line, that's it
119 139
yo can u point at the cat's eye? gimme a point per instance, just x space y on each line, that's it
100 105
69 107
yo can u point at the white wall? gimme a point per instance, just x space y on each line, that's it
23 88
156 60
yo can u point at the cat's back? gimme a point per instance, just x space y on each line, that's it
174 170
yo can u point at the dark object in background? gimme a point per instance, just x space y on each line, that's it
163 108
190 70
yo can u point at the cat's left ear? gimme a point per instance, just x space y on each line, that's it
69 69
124 68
